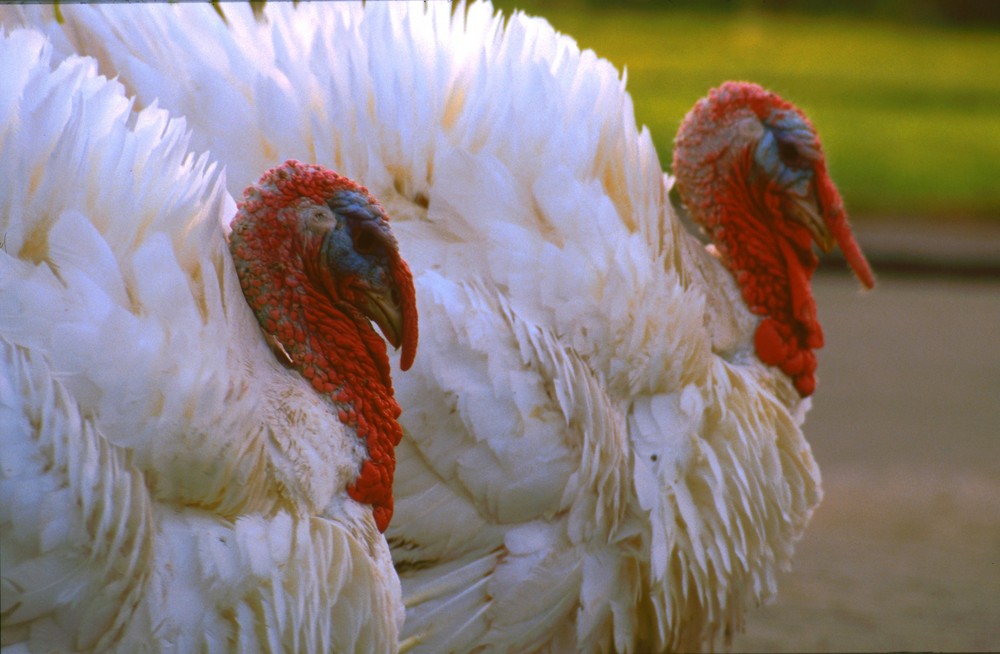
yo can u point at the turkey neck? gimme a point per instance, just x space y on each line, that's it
333 346
344 359
773 262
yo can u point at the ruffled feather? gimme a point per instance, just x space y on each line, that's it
594 457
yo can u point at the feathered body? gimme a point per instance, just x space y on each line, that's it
595 457
167 483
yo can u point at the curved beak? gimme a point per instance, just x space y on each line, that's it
806 211
393 307
385 311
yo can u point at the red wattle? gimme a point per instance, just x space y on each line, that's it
805 385
768 342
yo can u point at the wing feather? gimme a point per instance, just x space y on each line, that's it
151 497
585 419
77 523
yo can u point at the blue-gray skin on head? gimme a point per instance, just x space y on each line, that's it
358 239
786 153
358 245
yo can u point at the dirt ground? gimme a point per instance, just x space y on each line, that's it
904 552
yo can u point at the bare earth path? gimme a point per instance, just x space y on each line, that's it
904 552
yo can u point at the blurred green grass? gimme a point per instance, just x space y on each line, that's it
909 114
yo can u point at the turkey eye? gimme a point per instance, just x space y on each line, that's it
789 154
319 219
365 242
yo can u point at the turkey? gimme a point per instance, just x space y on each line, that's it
177 474
602 434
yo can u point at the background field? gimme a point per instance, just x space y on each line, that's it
908 110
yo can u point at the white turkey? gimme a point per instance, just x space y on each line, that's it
602 444
176 474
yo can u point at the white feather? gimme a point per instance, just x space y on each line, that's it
166 484
594 460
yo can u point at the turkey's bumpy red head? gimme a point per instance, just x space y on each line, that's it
750 169
317 262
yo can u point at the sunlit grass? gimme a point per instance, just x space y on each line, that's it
909 115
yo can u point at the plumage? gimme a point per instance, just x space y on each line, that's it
167 483
595 458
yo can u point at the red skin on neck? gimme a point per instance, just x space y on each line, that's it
316 319
345 359
769 252
773 260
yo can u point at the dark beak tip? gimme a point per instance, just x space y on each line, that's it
390 334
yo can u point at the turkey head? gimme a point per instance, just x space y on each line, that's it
318 263
751 171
